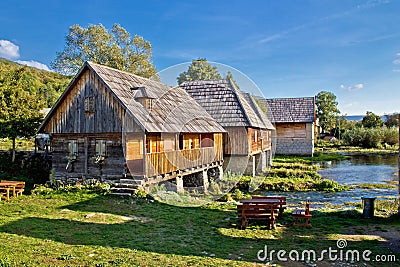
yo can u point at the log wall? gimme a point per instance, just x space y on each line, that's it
88 108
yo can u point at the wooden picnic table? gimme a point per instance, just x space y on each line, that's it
260 208
8 186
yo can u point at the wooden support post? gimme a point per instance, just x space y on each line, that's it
86 144
179 184
253 172
205 180
221 172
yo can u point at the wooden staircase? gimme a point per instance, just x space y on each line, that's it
126 187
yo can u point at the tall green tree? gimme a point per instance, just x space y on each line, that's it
114 48
392 120
327 110
19 107
199 70
371 120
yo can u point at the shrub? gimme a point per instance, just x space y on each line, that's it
371 137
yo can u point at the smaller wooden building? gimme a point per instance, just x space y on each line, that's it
110 124
294 119
247 142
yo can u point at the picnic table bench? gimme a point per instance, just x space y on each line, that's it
16 187
302 216
260 208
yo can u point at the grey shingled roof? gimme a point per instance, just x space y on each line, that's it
283 110
226 103
173 108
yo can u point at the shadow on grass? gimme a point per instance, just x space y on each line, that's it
161 228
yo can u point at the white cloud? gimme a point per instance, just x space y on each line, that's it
8 49
34 64
356 87
397 59
396 70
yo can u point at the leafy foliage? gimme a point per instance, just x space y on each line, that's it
19 106
371 120
372 137
199 70
46 85
392 120
114 48
327 110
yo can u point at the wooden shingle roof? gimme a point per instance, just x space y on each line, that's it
173 110
288 110
226 103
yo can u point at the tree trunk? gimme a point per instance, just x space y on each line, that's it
399 165
13 150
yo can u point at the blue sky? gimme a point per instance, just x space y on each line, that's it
287 48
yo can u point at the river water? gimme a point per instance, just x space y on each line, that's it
360 169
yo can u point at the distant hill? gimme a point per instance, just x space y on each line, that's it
48 85
359 118
355 117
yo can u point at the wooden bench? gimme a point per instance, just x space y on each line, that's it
281 202
257 211
19 186
302 216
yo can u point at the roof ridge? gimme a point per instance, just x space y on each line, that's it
90 63
236 92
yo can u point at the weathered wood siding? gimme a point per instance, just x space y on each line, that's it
135 151
236 141
291 130
102 113
111 169
295 139
266 139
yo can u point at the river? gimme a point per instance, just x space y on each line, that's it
360 169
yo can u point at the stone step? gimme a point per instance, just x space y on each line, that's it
131 181
125 185
120 194
123 190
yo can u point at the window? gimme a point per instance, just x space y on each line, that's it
73 147
101 147
207 140
89 104
255 135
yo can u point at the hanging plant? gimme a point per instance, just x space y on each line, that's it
99 160
71 158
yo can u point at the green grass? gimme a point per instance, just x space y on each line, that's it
292 173
376 186
20 144
81 229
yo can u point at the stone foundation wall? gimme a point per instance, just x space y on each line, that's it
301 147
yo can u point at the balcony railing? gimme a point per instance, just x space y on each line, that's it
170 161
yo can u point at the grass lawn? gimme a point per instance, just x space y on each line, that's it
82 229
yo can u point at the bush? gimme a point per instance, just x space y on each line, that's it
371 137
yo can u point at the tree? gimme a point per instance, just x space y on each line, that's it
327 110
392 120
199 70
19 107
114 48
371 120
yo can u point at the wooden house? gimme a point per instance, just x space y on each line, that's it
247 142
294 119
110 124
